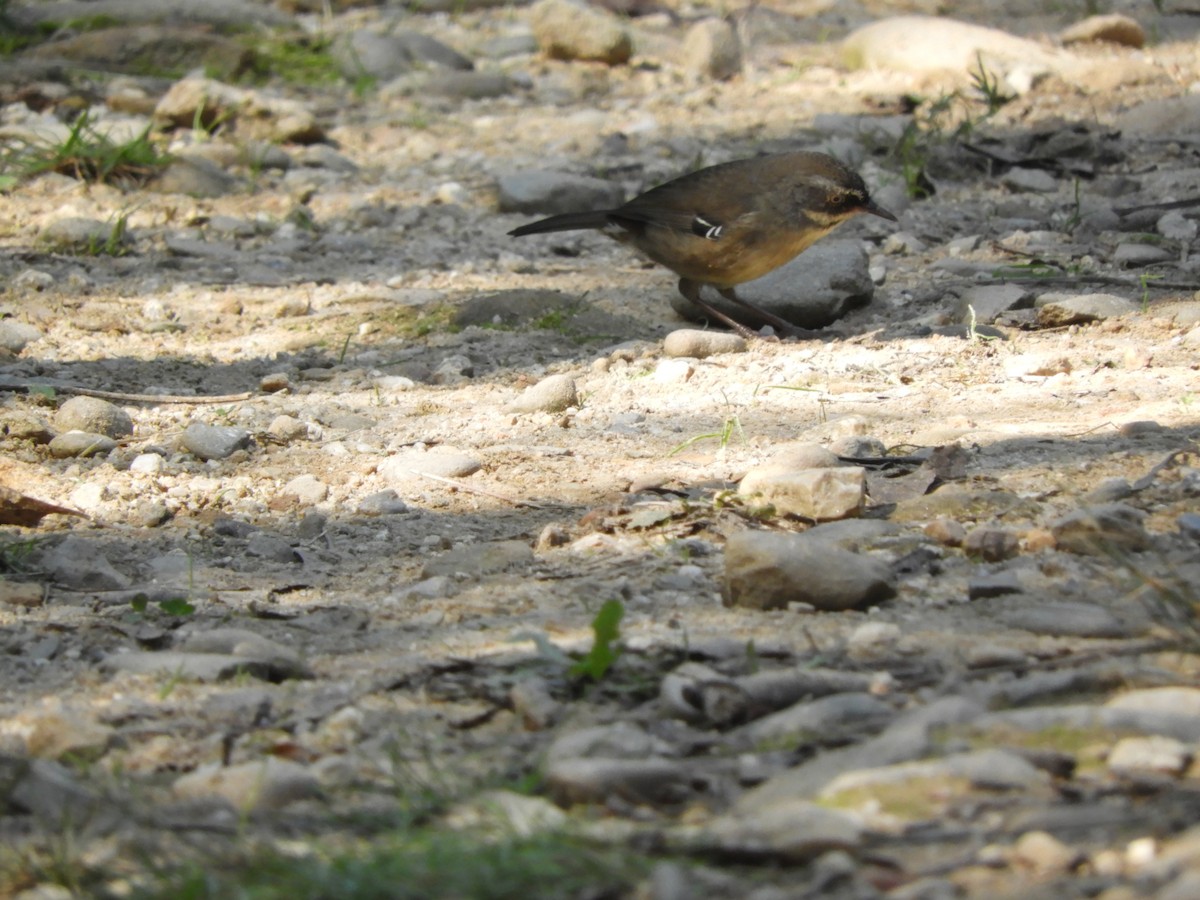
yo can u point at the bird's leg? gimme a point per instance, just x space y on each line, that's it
784 327
691 291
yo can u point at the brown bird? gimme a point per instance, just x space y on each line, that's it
732 223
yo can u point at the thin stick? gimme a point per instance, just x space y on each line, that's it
33 386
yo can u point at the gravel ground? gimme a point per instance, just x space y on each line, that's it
349 580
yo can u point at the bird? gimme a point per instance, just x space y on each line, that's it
731 223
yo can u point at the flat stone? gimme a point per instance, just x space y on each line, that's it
822 495
552 394
1132 255
93 415
691 343
16 336
1170 116
1056 309
262 786
989 301
214 441
1067 620
1183 701
81 565
285 662
479 559
568 30
1024 180
1154 754
597 780
848 715
815 289
207 667
549 193
403 468
81 444
1101 530
768 571
1113 29
787 829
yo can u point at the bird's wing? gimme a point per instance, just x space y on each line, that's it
681 206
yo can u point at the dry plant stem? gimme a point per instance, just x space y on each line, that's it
29 386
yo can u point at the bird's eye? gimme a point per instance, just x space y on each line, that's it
844 200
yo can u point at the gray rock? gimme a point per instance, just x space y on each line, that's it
620 740
508 45
570 30
992 544
1171 116
816 288
836 716
463 85
80 564
385 56
16 336
454 369
206 667
691 343
1175 226
929 43
404 468
769 571
253 114
479 559
307 489
195 177
903 243
822 495
214 441
382 503
1067 620
989 301
1189 524
989 769
271 547
439 587
283 662
1064 309
1024 180
94 415
552 394
52 794
1104 530
261 786
549 193
711 49
596 780
699 694
1112 29
1154 755
1131 255
783 828
1110 490
1182 701
81 444
993 584
1085 717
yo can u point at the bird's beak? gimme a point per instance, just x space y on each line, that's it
874 210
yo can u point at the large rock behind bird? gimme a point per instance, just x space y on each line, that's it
568 30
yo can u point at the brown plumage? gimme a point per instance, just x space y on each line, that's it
731 223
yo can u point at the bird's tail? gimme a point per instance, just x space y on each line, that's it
566 222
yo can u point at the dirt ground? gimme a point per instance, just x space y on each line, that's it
415 657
